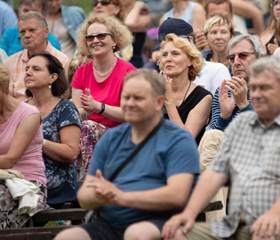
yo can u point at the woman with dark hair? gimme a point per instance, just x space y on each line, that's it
45 81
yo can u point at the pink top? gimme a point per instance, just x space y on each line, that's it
108 91
31 164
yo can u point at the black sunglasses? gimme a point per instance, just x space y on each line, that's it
241 56
103 2
99 36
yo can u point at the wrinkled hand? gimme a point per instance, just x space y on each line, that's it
172 225
201 41
272 47
106 192
266 226
238 88
88 102
226 103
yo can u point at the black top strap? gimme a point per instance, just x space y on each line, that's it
141 145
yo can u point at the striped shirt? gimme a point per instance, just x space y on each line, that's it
17 63
250 155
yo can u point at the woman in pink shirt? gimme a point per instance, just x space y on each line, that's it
97 85
21 140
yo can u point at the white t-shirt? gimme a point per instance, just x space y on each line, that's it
212 75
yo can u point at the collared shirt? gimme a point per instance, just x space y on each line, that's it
8 18
250 155
17 63
217 121
11 43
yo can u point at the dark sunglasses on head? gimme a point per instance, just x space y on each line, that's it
103 2
274 4
241 56
99 36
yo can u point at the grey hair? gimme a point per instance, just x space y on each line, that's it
253 39
43 3
157 82
33 14
265 65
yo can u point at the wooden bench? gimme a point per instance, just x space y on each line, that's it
32 233
56 215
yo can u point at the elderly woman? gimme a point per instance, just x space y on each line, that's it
46 82
187 104
20 149
218 30
270 37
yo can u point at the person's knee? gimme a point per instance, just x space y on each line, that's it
142 231
73 233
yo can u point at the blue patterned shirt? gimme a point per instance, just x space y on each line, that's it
60 176
250 155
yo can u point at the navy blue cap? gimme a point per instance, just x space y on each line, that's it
173 25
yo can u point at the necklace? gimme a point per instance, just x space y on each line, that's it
186 92
106 73
47 104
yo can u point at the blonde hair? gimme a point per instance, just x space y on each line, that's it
120 32
221 20
4 79
190 49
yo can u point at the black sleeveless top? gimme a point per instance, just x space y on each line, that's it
270 41
188 104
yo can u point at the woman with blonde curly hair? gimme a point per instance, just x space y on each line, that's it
187 104
97 85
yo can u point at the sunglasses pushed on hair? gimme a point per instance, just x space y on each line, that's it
103 2
99 36
241 56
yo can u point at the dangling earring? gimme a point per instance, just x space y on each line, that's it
114 47
50 86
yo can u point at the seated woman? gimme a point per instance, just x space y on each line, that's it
187 104
46 82
270 37
218 30
96 86
20 149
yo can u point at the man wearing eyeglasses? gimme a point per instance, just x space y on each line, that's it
232 97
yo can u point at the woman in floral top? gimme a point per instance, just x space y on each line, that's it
46 82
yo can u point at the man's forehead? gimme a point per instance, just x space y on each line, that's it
218 9
242 46
31 21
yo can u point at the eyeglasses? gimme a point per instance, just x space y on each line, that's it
241 56
99 36
274 4
103 2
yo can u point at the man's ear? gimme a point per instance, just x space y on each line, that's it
160 101
191 39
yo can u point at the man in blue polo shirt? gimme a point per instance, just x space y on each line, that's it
155 183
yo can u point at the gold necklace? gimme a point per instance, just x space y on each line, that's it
104 74
47 104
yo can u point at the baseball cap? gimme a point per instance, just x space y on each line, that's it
173 25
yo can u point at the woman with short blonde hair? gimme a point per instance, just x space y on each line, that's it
187 104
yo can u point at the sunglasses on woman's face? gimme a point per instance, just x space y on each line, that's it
103 2
99 36
274 4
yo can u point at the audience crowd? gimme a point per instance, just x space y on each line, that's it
147 112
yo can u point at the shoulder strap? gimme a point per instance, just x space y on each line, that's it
141 145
